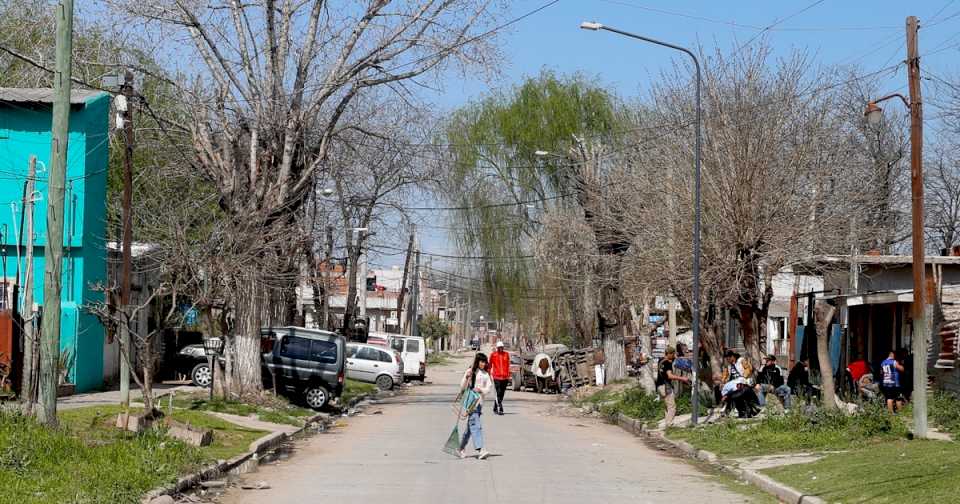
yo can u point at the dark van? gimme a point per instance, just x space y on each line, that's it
307 362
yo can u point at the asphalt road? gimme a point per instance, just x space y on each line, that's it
537 457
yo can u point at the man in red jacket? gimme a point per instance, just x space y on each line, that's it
500 369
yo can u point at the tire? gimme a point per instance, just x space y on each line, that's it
316 396
384 382
201 375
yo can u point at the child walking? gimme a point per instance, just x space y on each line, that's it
476 378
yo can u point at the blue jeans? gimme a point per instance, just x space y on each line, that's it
474 429
783 392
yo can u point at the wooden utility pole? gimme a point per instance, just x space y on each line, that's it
328 255
415 305
403 282
126 255
28 388
920 332
53 260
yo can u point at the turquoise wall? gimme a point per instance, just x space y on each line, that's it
25 131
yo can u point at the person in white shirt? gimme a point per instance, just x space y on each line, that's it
476 378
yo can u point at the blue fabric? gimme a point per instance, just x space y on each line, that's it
800 331
891 375
683 363
835 337
474 430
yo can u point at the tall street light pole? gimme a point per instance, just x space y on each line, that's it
696 223
874 115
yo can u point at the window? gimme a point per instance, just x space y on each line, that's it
367 353
413 346
295 348
385 357
323 351
351 351
397 344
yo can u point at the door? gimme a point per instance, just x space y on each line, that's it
411 356
294 358
366 364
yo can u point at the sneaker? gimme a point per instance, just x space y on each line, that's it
460 454
484 454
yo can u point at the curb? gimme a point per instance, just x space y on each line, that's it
782 492
257 449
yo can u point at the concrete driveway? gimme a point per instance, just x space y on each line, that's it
395 457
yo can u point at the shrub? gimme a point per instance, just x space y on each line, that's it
944 410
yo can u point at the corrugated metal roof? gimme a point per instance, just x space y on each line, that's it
44 95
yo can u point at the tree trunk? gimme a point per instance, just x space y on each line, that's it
243 359
648 371
823 314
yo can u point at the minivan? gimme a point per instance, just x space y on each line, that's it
413 349
307 362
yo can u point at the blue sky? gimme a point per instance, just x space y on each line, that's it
869 34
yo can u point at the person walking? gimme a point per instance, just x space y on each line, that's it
500 369
664 384
890 369
477 379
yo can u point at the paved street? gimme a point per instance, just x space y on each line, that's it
396 457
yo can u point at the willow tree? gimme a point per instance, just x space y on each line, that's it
527 153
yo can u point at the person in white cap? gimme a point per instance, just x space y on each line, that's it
500 369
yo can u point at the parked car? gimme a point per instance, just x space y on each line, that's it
374 364
308 362
192 361
516 362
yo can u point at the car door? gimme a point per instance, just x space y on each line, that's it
411 356
294 358
353 370
367 363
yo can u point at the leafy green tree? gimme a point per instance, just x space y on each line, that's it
432 327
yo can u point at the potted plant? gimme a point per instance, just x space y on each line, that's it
64 365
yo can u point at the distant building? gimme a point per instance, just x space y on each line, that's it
25 122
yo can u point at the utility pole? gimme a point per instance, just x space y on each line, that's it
672 320
920 332
403 282
126 260
29 385
53 263
328 255
415 306
362 277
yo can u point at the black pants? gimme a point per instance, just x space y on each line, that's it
501 386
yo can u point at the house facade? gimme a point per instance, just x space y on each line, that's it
25 122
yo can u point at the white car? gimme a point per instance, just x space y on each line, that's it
374 364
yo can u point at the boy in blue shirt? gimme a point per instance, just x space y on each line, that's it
890 371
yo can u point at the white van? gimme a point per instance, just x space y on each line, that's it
413 351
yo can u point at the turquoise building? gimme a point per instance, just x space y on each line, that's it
25 121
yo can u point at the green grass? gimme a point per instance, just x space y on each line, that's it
271 409
635 403
944 411
353 389
795 432
439 359
40 465
95 424
895 472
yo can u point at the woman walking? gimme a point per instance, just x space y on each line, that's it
476 378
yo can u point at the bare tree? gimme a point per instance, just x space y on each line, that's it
269 84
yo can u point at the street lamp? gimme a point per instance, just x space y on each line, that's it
874 114
594 26
213 347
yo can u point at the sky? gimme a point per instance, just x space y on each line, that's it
870 34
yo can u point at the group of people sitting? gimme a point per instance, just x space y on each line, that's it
746 389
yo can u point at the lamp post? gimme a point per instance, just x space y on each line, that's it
696 222
213 347
874 115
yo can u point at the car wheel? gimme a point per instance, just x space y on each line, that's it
384 382
201 375
316 396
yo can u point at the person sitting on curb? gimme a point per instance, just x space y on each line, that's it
770 379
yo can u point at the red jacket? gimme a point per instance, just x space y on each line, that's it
500 365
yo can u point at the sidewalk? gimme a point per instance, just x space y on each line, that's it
112 397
